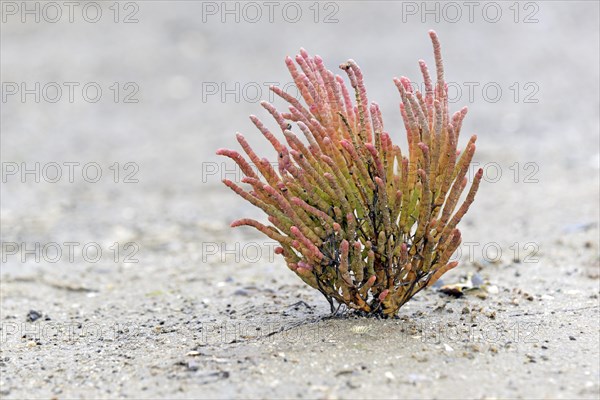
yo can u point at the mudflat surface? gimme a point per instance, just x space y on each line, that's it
179 305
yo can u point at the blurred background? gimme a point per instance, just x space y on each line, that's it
178 79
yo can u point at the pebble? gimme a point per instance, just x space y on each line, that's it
33 315
493 289
476 280
528 296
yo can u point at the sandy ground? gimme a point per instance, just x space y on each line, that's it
178 305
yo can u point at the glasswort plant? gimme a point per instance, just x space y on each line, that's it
357 219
